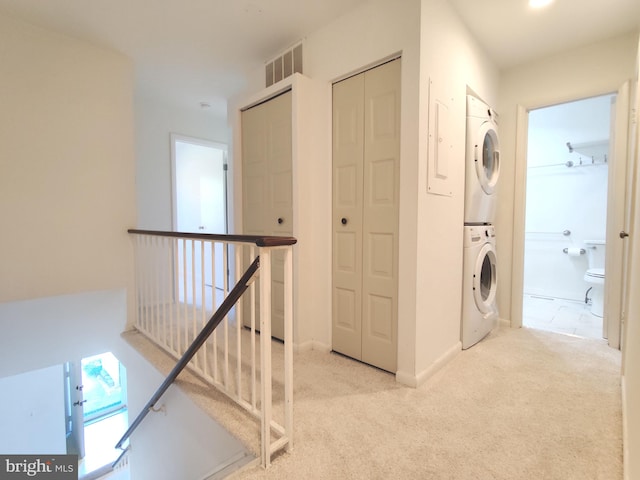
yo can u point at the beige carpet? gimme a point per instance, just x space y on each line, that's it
522 404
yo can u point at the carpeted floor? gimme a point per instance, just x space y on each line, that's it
522 404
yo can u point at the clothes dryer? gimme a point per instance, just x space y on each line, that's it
482 162
479 310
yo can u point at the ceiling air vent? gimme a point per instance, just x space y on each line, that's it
288 63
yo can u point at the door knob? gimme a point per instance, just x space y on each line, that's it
343 221
280 221
623 234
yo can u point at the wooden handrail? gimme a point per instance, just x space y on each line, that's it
258 240
206 331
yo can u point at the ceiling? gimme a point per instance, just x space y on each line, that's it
186 51
513 33
192 51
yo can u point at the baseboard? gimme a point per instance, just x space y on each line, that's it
415 381
625 431
504 323
234 467
311 345
321 347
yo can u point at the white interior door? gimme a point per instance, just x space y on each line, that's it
618 219
365 215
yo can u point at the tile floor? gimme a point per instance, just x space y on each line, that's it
559 315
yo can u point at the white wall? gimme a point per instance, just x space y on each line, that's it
584 72
32 413
66 157
453 61
51 331
154 123
433 43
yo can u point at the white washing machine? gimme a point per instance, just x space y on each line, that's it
479 310
482 162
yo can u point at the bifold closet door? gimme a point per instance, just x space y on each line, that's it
366 148
267 186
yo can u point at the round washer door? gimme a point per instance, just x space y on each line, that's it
487 158
485 279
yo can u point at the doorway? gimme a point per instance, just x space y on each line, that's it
97 414
199 175
569 199
566 214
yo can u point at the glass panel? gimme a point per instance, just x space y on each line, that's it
102 378
488 150
486 275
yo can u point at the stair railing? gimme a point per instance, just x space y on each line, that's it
174 298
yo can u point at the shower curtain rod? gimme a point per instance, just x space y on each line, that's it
566 233
571 163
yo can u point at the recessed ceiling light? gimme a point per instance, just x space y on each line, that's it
539 3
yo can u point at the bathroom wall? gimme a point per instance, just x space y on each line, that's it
561 198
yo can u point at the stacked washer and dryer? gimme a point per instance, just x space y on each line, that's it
479 310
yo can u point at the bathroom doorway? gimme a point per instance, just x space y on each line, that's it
567 181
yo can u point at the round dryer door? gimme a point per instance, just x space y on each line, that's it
484 279
487 159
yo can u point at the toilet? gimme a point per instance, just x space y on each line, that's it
595 274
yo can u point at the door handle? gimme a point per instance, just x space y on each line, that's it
343 221
623 234
280 221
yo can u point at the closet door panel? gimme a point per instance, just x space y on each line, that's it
255 187
348 115
380 215
281 199
267 189
280 166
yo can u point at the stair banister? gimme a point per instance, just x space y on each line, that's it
215 320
